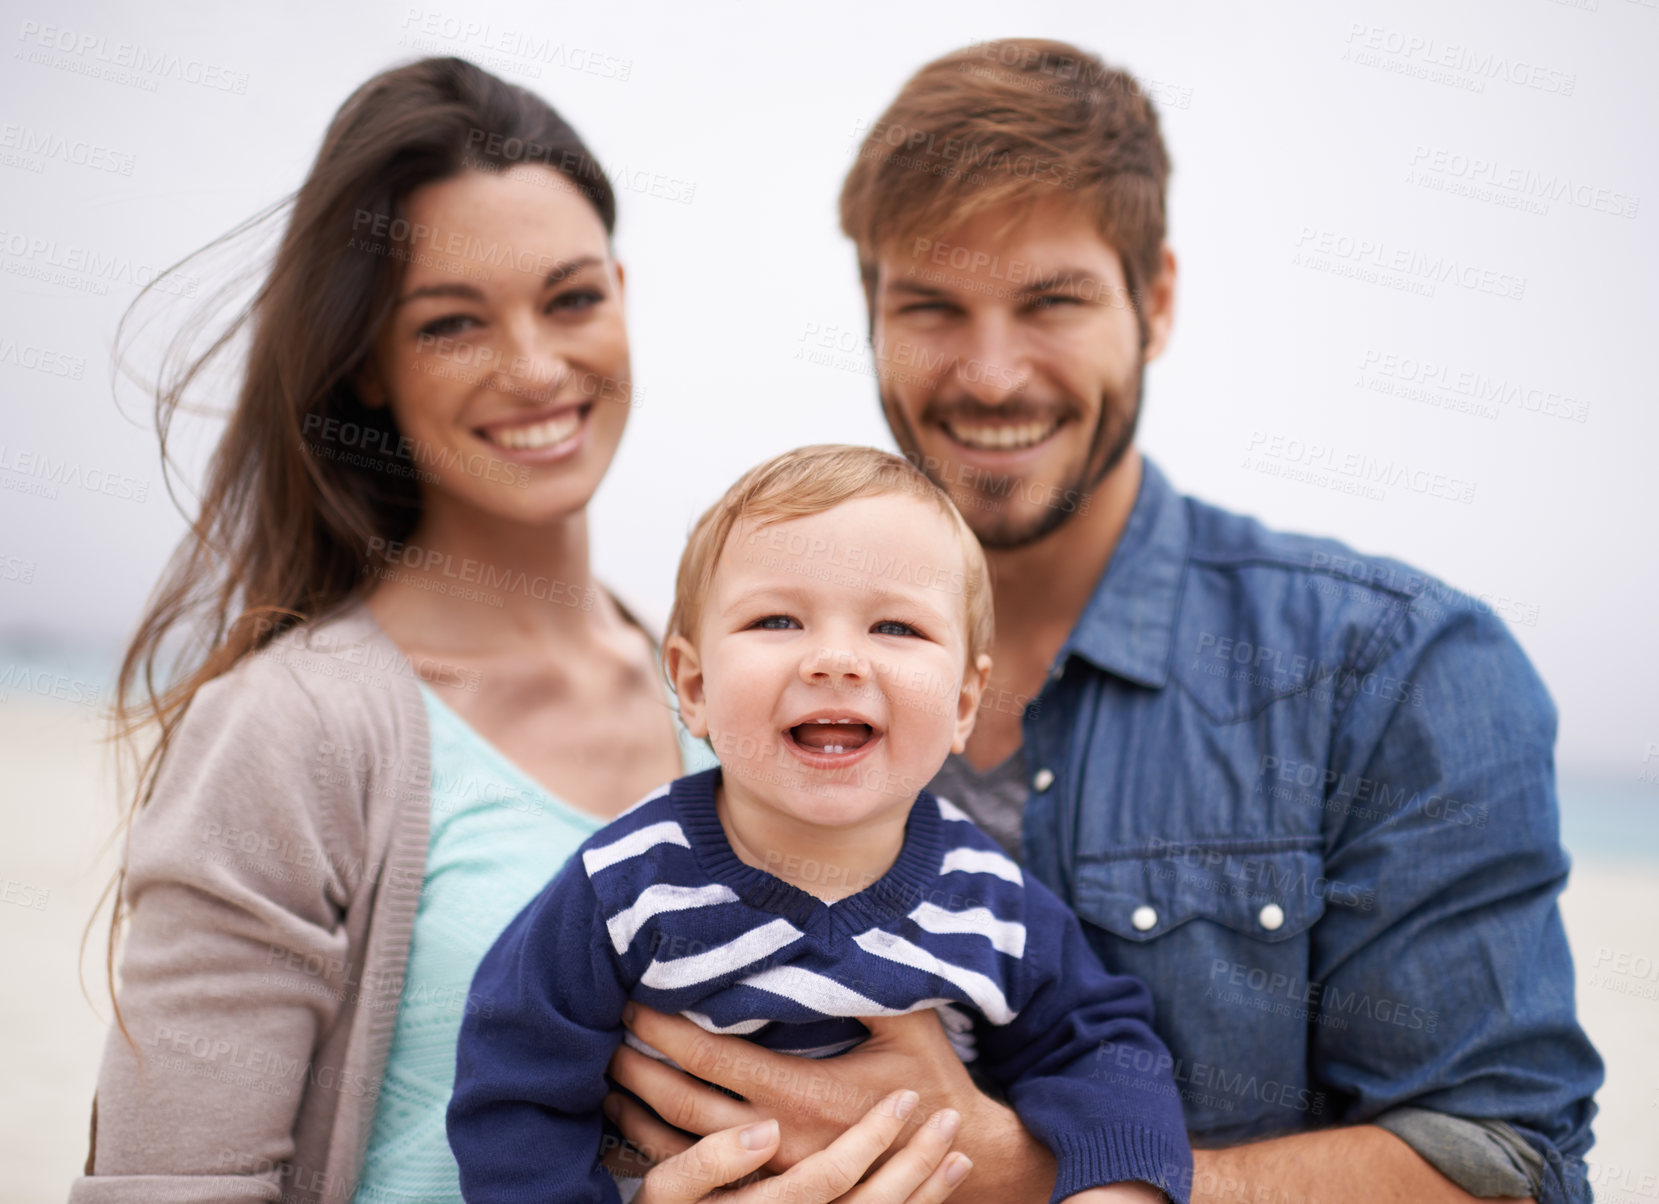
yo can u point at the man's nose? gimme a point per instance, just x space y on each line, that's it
990 362
834 666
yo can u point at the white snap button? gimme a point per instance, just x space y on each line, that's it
1272 917
1143 917
1042 779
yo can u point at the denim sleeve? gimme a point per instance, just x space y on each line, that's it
1454 981
1485 1158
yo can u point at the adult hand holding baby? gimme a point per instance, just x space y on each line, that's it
922 1172
819 1102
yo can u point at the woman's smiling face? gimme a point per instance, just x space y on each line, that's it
505 360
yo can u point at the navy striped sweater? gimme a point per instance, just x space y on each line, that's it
656 907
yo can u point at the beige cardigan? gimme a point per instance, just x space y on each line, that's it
273 881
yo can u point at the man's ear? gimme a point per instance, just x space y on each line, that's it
1160 305
684 669
967 702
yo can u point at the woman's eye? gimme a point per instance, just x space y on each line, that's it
576 301
774 623
903 628
448 326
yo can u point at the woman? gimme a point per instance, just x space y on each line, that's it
413 700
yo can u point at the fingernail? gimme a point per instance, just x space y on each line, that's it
949 1119
905 1104
958 1169
628 1014
612 1106
759 1136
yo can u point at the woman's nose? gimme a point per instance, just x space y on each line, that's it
532 366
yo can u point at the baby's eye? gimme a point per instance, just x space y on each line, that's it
775 623
903 628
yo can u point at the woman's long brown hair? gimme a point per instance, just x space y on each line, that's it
287 522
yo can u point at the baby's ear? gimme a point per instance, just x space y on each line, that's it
967 702
679 660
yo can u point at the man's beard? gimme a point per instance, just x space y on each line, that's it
987 509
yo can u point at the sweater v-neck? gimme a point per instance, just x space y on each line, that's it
894 894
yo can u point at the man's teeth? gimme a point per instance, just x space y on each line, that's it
537 434
1002 436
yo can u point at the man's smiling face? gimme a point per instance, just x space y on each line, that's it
1010 362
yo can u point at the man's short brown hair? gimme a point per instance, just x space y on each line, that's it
1014 120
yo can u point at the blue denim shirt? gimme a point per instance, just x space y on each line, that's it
1309 799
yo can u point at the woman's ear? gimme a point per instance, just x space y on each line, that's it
679 658
369 387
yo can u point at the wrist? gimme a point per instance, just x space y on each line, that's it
1010 1165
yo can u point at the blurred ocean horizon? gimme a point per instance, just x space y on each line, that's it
1609 812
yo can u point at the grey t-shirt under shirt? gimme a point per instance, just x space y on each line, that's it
995 799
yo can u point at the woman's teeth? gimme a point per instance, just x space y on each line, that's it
537 434
1001 437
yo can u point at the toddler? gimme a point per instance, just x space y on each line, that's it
829 638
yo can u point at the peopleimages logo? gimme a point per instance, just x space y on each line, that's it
43 144
89 53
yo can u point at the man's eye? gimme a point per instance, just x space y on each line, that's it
927 307
774 623
881 628
448 326
1053 300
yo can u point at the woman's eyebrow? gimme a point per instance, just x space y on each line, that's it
559 273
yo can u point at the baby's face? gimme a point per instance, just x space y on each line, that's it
831 674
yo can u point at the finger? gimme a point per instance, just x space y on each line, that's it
735 1063
923 1027
712 1163
680 1100
924 1171
836 1169
653 1141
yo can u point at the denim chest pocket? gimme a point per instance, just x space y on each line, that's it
1258 889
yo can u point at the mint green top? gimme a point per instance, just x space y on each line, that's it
497 838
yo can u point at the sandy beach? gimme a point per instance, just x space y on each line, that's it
60 807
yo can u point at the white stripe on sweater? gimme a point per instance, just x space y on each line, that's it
741 1028
655 900
632 845
816 991
949 810
986 995
723 959
981 861
1006 936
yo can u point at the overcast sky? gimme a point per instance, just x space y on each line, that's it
1317 146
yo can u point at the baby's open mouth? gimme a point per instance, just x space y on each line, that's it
832 735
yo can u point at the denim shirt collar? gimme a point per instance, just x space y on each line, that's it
1128 626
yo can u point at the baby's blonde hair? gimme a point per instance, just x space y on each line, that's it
811 480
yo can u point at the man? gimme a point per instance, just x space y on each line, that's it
1308 798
